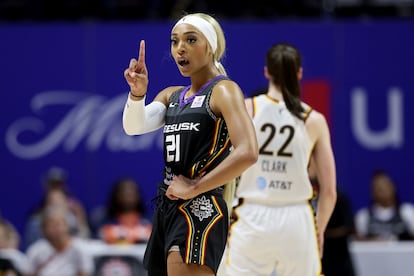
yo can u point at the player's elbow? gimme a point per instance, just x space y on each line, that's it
251 155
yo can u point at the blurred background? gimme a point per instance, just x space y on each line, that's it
62 87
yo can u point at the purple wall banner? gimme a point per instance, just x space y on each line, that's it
63 92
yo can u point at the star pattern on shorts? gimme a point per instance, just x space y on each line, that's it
202 208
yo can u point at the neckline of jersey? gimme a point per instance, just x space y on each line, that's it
184 101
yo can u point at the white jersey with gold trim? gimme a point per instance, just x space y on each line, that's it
280 174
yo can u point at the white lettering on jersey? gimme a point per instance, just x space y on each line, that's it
182 126
273 184
274 166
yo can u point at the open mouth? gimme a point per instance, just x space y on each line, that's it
183 62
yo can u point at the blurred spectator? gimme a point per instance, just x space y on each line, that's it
9 238
56 195
386 218
6 268
122 220
58 253
57 178
9 252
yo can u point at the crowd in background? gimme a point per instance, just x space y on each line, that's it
165 9
54 239
56 228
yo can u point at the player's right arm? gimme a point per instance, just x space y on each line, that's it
137 117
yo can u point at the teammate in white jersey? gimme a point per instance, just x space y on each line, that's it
275 227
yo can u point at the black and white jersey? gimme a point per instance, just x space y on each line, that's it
195 140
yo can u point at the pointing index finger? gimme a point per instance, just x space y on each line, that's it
141 55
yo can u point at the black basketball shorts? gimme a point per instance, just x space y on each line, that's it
199 227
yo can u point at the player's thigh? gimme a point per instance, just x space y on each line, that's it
177 267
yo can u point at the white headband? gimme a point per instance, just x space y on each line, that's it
203 26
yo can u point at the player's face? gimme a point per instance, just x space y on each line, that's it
190 49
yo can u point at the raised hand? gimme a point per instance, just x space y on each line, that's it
136 74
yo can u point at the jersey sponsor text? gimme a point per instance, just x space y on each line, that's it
191 126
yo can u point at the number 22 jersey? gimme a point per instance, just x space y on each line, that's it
280 175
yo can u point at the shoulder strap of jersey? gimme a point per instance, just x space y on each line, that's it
214 81
307 109
176 94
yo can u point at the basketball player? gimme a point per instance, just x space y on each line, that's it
201 122
274 228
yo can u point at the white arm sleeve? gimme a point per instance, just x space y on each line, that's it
139 118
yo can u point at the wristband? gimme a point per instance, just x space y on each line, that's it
137 97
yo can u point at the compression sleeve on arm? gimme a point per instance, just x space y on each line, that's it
139 118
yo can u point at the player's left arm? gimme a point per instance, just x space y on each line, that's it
228 102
